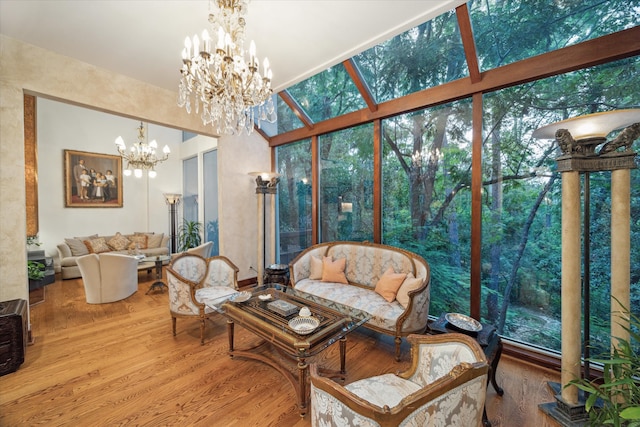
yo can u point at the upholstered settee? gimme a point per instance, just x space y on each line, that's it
392 285
445 386
149 244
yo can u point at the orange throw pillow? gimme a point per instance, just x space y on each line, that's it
389 284
315 272
333 271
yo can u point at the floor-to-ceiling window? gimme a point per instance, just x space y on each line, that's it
190 192
294 199
346 184
426 177
210 195
426 173
521 237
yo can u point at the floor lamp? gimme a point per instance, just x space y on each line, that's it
579 139
266 183
173 200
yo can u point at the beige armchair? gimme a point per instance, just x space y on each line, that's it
193 280
204 250
444 387
108 277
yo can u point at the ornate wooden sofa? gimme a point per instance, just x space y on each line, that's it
365 264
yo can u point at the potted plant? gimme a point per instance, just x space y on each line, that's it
33 243
35 272
614 399
189 235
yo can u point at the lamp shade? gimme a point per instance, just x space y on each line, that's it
265 175
172 198
597 125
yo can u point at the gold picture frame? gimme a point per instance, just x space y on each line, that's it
100 187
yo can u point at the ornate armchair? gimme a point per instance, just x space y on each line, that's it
108 277
192 280
444 387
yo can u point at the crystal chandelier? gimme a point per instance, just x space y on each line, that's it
229 91
141 156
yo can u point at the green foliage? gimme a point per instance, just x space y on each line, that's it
35 270
189 235
614 399
426 162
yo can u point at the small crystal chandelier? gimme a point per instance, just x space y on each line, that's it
216 79
141 156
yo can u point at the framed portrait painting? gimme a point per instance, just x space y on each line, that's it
92 180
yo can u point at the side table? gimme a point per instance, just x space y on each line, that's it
158 261
490 342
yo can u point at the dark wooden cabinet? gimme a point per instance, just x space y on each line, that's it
13 335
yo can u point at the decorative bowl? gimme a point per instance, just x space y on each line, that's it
240 296
463 322
304 325
305 312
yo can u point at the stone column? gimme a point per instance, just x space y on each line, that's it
272 231
261 237
571 288
620 252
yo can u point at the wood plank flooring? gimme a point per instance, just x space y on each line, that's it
118 364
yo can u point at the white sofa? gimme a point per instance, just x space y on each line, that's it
365 265
149 244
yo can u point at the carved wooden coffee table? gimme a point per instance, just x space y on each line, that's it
274 330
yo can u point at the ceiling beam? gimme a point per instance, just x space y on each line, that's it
361 84
297 109
612 47
468 41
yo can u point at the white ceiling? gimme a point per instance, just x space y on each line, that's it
143 39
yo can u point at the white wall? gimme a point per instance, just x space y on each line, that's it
27 68
62 126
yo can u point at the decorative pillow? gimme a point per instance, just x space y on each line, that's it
153 240
333 271
83 238
139 239
389 284
410 283
119 242
316 268
97 246
77 246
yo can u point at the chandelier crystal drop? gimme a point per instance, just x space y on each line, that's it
218 82
141 156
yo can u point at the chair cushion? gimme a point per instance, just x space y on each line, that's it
384 314
210 294
387 389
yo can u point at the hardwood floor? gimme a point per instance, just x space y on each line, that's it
118 364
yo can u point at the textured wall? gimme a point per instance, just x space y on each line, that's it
43 73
